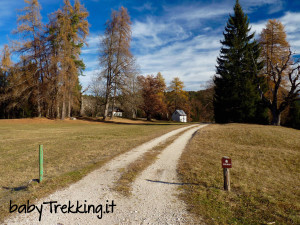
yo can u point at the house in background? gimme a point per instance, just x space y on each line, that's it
117 112
179 116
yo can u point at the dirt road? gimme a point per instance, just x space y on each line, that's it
153 200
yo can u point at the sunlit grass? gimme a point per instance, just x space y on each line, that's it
265 177
71 150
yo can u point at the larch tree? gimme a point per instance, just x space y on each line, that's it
115 56
44 81
71 31
177 98
123 58
279 70
162 95
151 89
30 29
80 30
5 74
236 98
130 98
106 58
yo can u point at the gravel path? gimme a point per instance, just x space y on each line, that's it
153 200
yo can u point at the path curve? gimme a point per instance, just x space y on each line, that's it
153 200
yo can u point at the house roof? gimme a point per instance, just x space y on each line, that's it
180 112
116 109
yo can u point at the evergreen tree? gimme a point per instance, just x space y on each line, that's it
236 96
293 119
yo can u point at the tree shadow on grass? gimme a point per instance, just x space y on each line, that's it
174 183
203 184
22 187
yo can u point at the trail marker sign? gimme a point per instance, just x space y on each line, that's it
226 162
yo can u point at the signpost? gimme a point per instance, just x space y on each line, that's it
226 164
41 162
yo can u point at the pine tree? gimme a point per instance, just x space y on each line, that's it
236 96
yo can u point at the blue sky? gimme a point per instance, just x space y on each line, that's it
176 38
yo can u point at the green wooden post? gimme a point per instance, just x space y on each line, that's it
41 163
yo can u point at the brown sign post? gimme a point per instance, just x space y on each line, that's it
226 164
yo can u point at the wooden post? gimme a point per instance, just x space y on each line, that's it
41 162
226 179
226 164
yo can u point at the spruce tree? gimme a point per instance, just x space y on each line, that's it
236 96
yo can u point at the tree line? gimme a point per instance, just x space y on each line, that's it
255 79
44 80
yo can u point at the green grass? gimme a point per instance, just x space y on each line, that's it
71 150
265 177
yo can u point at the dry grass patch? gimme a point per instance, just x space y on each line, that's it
265 177
71 150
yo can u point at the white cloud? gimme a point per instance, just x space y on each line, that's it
258 27
193 61
260 2
180 43
152 33
86 80
196 12
145 7
252 5
90 56
93 41
292 27
291 21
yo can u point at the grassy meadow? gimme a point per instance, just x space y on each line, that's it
265 175
71 150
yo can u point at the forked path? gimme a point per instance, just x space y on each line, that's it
153 199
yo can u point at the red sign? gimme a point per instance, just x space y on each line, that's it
226 162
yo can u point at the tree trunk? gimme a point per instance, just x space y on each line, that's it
81 108
63 111
39 108
57 111
148 117
113 103
107 99
69 106
133 114
276 117
106 109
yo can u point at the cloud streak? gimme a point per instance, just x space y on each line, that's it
290 20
